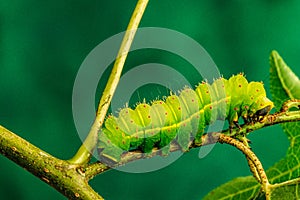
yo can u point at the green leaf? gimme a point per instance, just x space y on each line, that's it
238 188
284 85
286 193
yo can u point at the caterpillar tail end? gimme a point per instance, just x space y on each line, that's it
109 157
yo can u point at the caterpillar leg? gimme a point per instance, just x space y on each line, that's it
108 151
165 151
184 136
166 138
198 138
248 120
236 123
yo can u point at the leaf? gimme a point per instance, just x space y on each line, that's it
284 85
238 188
286 192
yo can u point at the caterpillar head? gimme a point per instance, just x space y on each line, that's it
261 107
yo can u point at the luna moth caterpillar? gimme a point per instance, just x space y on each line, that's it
182 118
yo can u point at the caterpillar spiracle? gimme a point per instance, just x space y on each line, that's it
182 118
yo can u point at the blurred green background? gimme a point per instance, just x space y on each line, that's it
43 43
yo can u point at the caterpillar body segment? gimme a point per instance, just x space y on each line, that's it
182 118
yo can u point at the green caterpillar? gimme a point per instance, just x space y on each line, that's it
182 118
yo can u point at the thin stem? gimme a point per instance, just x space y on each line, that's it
83 155
210 138
254 159
286 183
253 170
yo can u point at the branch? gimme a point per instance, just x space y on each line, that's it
64 177
83 155
93 169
